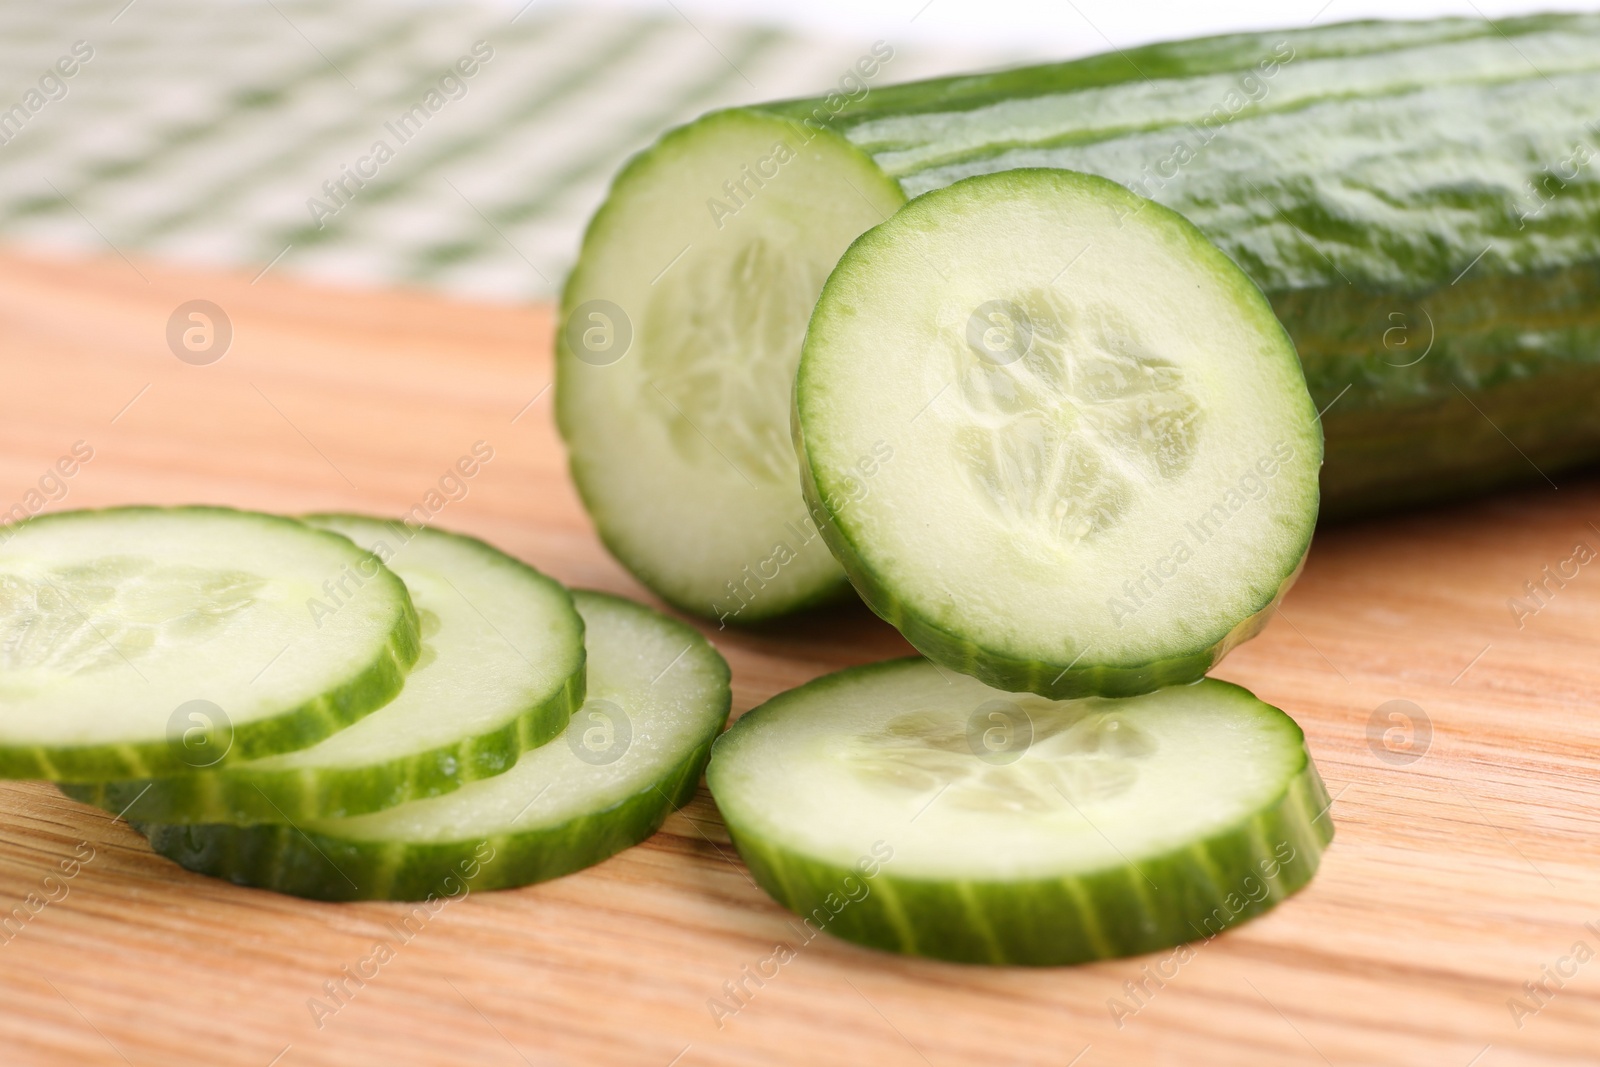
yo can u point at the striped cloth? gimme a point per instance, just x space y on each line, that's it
247 135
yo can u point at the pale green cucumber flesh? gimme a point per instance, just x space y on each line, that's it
676 348
906 809
657 696
150 641
502 671
1104 502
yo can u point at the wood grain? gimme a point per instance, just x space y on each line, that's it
1454 878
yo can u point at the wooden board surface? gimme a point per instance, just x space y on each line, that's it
1462 868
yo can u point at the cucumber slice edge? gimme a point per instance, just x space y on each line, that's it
1186 891
285 859
357 694
292 790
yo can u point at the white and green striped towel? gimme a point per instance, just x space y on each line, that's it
205 132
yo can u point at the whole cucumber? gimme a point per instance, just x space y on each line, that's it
1418 200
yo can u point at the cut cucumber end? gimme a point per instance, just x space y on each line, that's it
1105 458
502 671
677 342
658 695
910 810
145 641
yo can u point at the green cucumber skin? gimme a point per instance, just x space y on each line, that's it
1167 59
245 796
1044 922
286 860
1440 430
1519 335
377 683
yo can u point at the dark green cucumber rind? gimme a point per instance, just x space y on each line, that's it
374 685
934 102
377 684
567 416
1187 894
996 666
321 866
1513 434
246 796
1346 265
1495 401
1167 59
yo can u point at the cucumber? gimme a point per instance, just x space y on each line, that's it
1416 199
680 332
502 671
1106 471
1395 188
902 808
144 641
658 695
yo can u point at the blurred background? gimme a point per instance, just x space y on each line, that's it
222 133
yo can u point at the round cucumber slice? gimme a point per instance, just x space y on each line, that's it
676 348
901 807
502 671
1106 460
147 641
658 695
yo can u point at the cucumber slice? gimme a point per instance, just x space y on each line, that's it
501 672
652 363
147 641
658 695
904 808
1105 469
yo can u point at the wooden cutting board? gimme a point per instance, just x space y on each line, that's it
1466 862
